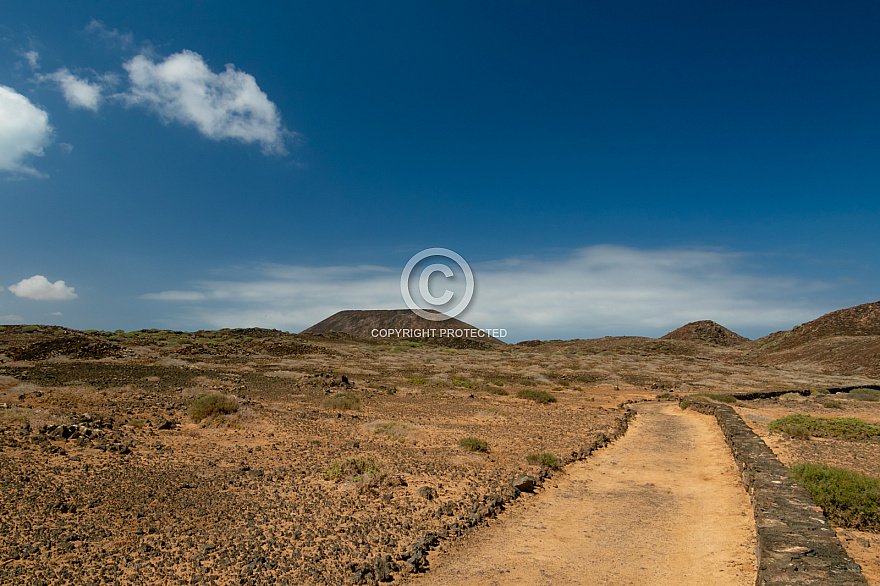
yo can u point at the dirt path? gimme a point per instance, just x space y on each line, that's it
662 505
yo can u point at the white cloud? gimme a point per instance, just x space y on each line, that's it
111 36
79 93
227 105
590 292
32 58
39 287
176 296
24 131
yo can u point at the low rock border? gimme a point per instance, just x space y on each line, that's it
751 395
796 544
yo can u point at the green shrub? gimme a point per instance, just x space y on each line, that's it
354 469
463 382
863 394
417 381
685 403
497 391
473 444
541 397
666 396
848 498
545 459
723 398
211 405
831 404
342 402
814 392
496 382
804 426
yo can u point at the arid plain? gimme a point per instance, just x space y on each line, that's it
255 456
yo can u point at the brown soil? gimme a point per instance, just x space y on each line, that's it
663 506
105 478
708 332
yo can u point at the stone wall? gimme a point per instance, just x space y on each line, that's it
796 545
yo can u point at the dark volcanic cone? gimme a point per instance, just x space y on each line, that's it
363 323
706 331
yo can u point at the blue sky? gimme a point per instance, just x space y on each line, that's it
606 168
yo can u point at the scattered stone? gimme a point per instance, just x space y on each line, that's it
427 492
523 483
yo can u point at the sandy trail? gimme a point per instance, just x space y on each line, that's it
662 505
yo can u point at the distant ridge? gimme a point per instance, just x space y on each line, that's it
706 331
364 323
860 320
844 341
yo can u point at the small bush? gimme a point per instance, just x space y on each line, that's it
789 396
541 397
473 444
831 404
342 402
545 459
666 396
212 405
814 392
863 394
685 403
496 382
804 426
354 469
723 398
463 382
849 499
417 381
497 391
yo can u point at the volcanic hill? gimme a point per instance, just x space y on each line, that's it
363 323
706 331
845 341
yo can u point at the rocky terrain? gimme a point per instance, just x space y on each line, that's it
327 458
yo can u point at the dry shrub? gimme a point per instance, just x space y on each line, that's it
212 405
342 402
473 444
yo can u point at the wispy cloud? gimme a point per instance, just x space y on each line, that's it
595 291
24 132
111 36
32 58
227 105
176 296
79 92
39 287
